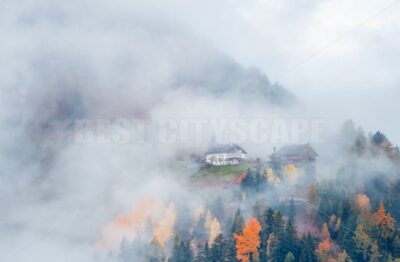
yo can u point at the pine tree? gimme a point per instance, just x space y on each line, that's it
267 228
238 223
219 249
292 210
307 247
289 257
277 246
154 252
396 245
278 225
217 209
231 250
269 221
202 255
181 251
178 250
126 253
275 164
290 240
249 181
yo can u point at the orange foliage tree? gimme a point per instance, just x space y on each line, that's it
324 246
247 243
384 223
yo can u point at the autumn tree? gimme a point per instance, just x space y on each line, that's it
313 197
374 254
247 244
215 230
363 204
384 226
324 247
343 257
364 247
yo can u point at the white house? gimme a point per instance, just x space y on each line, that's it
222 155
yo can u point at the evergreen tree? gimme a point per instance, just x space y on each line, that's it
260 182
290 243
307 249
202 255
378 138
238 223
292 210
289 257
277 246
231 251
126 252
275 164
178 250
267 223
181 251
219 249
217 208
346 241
154 252
278 225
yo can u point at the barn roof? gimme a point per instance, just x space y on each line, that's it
295 150
225 148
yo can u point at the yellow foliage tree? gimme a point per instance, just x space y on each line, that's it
363 204
313 198
164 228
215 230
271 178
290 172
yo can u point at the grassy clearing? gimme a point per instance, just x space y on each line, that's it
223 170
220 174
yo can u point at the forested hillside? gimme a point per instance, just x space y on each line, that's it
275 213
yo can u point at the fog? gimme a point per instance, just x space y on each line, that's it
147 61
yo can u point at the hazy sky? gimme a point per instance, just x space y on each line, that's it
339 57
345 53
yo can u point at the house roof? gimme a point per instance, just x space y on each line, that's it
295 150
226 148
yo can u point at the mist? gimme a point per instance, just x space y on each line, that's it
141 63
